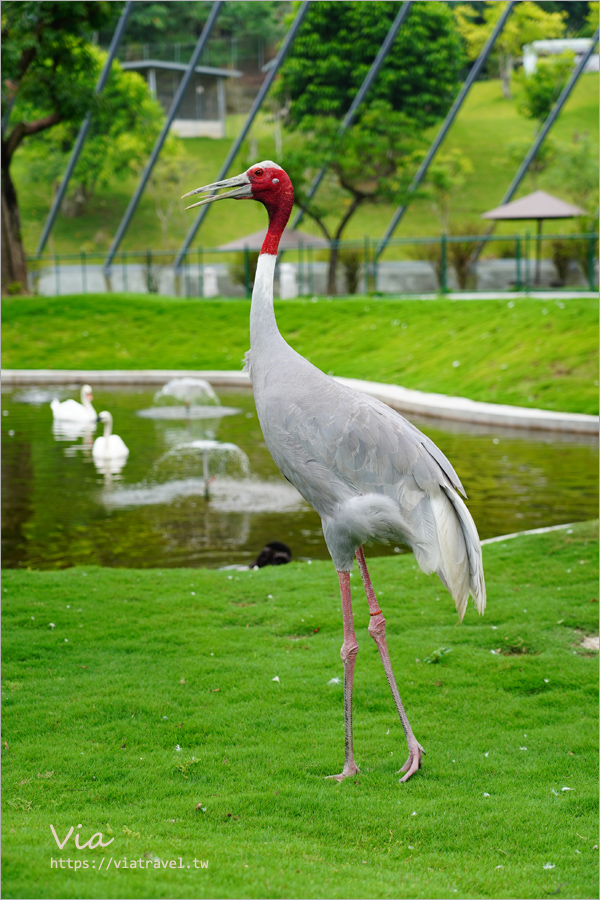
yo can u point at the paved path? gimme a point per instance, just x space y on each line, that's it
438 406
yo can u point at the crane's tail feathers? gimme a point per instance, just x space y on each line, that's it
476 581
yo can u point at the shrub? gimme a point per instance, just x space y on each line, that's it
350 261
237 269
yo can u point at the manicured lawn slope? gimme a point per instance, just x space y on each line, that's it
527 352
148 711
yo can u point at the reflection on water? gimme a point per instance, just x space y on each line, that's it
58 511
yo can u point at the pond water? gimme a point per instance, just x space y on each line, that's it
60 510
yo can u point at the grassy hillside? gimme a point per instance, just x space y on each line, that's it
194 714
486 124
527 352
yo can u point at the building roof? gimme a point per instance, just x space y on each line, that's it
137 65
538 205
290 240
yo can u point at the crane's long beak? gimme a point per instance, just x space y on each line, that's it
240 185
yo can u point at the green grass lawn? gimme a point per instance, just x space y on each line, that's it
524 351
485 126
148 711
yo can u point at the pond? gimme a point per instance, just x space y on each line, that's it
59 509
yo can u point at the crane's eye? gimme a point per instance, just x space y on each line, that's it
258 172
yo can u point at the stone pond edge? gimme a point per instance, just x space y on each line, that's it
404 400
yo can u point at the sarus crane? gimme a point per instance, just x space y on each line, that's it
367 471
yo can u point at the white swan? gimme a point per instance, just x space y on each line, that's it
72 411
108 446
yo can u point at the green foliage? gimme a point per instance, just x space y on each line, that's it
338 43
370 163
91 736
124 128
591 22
237 269
517 150
462 253
446 178
526 352
351 262
47 55
166 185
183 21
437 655
576 168
542 88
528 22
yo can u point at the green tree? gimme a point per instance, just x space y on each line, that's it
591 20
370 164
528 22
373 161
167 183
182 20
517 150
125 125
446 178
49 66
576 170
337 44
542 88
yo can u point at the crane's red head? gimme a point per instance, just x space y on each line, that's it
266 182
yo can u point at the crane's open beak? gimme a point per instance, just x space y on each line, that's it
240 185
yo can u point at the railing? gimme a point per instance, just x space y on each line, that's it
227 51
521 262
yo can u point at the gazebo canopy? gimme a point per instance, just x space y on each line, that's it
538 205
290 240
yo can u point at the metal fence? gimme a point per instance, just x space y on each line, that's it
408 266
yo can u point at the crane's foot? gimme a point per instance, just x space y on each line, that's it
347 772
415 752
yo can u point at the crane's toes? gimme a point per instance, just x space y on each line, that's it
413 763
347 772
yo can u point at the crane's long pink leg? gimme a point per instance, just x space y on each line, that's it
377 632
348 654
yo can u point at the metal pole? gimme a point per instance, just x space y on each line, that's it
283 50
370 77
202 40
85 125
443 273
538 254
458 102
546 126
550 120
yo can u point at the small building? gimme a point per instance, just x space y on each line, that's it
554 47
202 109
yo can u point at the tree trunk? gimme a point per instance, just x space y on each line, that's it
506 67
14 267
334 245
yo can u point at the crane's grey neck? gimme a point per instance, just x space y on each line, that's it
263 327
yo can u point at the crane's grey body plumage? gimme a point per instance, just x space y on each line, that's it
365 469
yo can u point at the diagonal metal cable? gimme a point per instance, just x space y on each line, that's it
351 114
550 120
202 40
258 100
453 112
85 126
552 116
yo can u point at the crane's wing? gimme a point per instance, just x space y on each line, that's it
370 474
